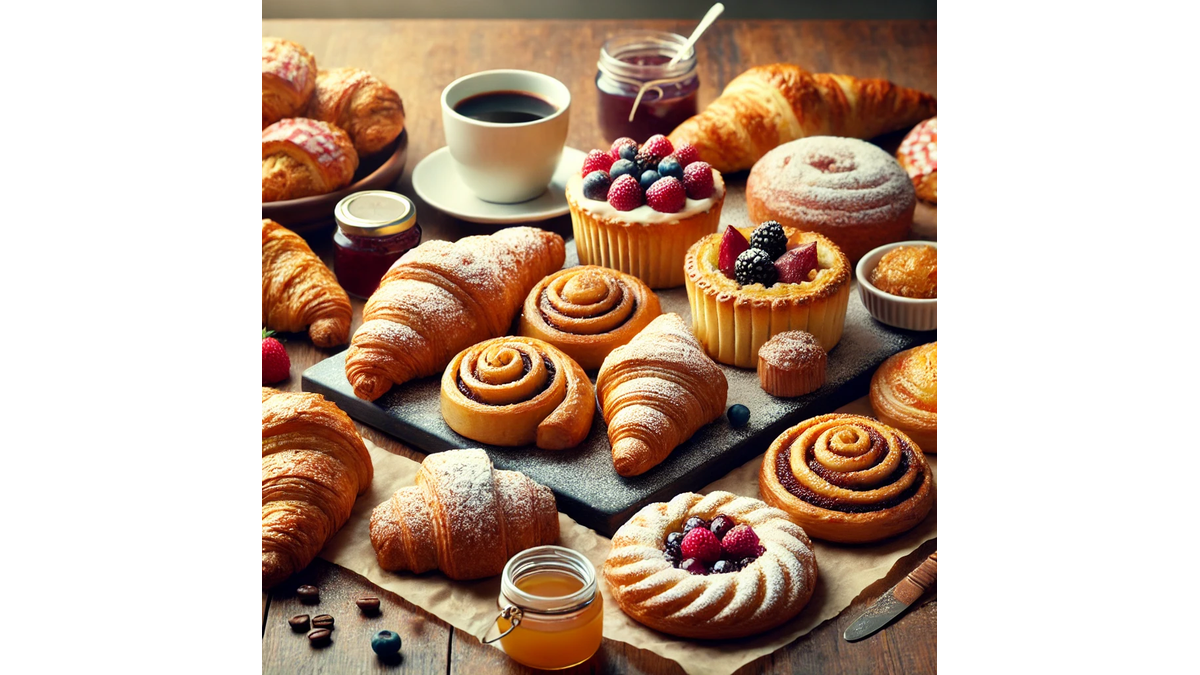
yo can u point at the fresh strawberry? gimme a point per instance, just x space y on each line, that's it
698 180
658 145
795 265
615 149
686 153
625 194
666 195
732 245
740 542
702 545
597 160
276 364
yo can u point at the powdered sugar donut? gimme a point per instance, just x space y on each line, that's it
918 156
846 189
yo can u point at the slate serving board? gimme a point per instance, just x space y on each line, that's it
584 482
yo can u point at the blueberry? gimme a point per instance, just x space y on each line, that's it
622 167
670 166
720 525
739 415
694 566
386 643
628 151
723 566
674 540
694 522
672 557
595 185
648 178
744 562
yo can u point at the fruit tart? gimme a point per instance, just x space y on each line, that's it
711 566
747 285
637 208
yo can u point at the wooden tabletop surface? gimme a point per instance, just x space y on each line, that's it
420 57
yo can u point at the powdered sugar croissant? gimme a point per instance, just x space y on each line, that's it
655 392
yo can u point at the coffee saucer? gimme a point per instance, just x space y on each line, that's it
436 181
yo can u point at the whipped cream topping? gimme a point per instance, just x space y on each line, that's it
644 213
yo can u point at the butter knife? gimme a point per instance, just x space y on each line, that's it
892 603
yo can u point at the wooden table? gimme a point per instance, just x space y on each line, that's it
420 57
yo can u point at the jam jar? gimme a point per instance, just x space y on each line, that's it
375 228
636 62
551 610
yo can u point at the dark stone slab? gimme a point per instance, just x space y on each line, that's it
583 479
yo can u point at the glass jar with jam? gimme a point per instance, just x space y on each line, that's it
636 62
551 611
375 228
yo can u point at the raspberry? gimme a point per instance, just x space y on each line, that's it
658 145
701 544
615 150
733 244
740 542
686 153
698 180
625 195
794 266
666 195
769 237
596 184
597 160
755 267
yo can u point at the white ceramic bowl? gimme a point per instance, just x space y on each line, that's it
907 313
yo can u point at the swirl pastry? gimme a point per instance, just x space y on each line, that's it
904 394
303 157
846 189
370 111
515 391
768 591
588 311
299 291
848 478
289 74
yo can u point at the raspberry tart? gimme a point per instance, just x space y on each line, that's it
637 208
714 567
747 285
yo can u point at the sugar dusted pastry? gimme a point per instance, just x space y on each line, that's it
791 364
288 78
848 478
904 394
299 291
518 391
713 567
303 157
463 517
368 110
907 271
588 311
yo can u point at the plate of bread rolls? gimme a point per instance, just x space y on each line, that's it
326 134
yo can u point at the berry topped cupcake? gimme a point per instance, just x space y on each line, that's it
637 208
745 286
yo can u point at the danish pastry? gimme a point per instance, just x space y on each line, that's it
715 566
303 157
288 78
918 156
904 394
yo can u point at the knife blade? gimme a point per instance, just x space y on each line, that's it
892 603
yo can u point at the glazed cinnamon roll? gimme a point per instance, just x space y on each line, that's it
904 394
588 311
848 478
517 391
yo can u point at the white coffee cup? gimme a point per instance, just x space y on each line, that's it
506 163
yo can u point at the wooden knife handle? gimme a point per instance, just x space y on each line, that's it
918 581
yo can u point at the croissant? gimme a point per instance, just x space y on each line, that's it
370 111
288 77
655 392
441 298
299 291
303 157
770 105
462 517
313 466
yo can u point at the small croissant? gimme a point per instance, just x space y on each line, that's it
655 392
299 291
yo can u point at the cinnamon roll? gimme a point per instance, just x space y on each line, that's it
848 478
588 311
517 391
904 394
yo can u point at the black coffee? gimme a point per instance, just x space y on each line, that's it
505 107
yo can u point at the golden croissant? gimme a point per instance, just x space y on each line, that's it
655 392
313 466
299 291
767 106
462 517
441 298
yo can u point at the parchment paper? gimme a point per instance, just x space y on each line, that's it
844 571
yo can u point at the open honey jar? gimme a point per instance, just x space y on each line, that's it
551 612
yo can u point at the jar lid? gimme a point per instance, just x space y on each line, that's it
375 213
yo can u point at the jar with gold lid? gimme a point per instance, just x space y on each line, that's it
375 228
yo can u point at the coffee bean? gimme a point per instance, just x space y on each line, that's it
319 637
368 604
299 623
309 595
322 621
